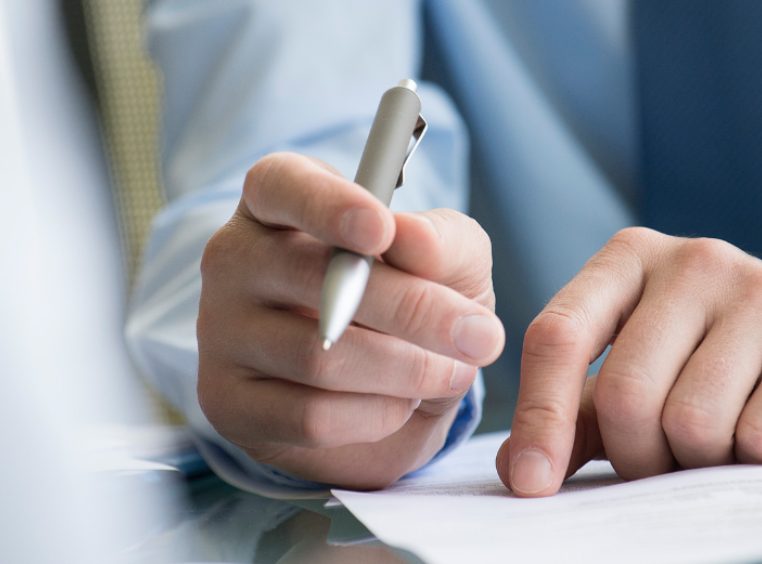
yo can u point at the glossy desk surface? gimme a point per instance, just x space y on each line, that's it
211 521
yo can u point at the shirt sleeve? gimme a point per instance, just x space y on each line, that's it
243 78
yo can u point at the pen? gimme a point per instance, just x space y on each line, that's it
396 132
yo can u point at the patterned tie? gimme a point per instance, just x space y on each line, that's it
128 95
700 78
127 92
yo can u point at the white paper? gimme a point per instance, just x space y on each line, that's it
459 511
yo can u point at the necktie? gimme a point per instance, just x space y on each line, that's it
699 70
128 95
127 92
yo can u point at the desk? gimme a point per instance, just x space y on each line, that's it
214 522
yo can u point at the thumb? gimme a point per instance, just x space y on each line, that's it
587 439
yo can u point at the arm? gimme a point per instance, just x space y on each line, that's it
243 79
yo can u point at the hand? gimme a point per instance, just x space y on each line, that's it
677 390
380 402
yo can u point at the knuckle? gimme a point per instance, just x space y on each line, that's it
632 243
259 174
613 261
691 426
477 284
418 377
229 247
716 373
309 212
637 243
470 269
621 396
548 414
553 332
393 415
483 240
487 297
480 290
414 310
316 422
705 256
307 258
483 247
749 439
315 366
430 375
460 223
633 239
215 252
752 287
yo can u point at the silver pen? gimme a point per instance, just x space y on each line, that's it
396 132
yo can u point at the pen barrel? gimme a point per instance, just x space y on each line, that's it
343 289
387 145
379 170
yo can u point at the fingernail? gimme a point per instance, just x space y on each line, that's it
476 335
531 472
462 376
416 404
362 229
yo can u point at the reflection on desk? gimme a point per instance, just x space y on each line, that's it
218 523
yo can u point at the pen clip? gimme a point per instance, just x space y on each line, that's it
420 130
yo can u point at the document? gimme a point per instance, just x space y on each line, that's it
457 510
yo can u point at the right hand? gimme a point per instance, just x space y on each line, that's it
380 402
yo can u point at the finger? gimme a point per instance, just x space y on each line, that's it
432 316
748 447
285 345
390 458
249 412
421 312
705 404
559 345
588 444
447 247
643 364
587 438
290 190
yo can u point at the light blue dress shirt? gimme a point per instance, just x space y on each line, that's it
548 149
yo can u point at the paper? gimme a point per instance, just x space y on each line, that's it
459 511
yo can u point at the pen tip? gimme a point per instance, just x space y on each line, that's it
327 344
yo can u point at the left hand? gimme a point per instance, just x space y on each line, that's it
679 388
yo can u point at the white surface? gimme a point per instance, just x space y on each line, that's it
62 361
132 448
458 511
70 243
